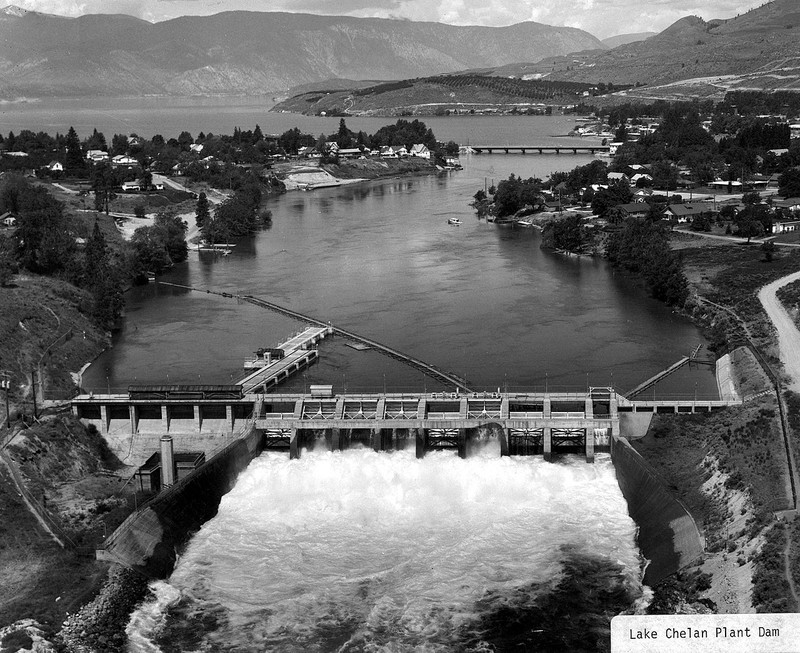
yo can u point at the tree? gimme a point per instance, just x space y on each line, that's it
789 183
147 179
74 158
202 212
104 181
119 144
140 211
8 262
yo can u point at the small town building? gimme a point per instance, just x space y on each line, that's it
785 225
55 166
124 160
420 150
617 177
131 186
635 209
8 219
788 204
96 155
349 153
196 147
683 213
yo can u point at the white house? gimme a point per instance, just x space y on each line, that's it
196 147
8 219
618 176
96 155
55 166
420 150
785 225
131 186
18 154
124 160
349 152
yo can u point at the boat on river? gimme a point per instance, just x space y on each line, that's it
454 221
525 222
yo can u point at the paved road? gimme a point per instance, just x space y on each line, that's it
788 335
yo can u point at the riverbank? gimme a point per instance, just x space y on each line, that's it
731 469
60 491
311 174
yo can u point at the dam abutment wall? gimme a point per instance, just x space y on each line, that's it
667 533
149 540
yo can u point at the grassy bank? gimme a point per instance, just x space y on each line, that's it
378 168
731 274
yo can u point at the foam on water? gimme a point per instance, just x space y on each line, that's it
356 550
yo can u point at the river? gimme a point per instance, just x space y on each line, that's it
359 551
380 259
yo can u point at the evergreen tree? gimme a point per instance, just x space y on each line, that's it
257 135
74 158
202 212
95 257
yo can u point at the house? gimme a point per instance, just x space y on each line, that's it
349 152
96 155
17 154
400 150
641 194
8 219
331 147
642 177
131 186
617 177
55 166
124 160
785 225
613 147
788 204
683 213
388 152
420 150
308 152
635 209
196 147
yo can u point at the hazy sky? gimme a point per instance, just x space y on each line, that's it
603 18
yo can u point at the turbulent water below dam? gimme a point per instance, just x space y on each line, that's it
365 551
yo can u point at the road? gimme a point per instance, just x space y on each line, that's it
788 335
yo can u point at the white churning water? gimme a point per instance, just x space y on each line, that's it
363 551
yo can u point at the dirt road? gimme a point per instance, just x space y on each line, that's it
788 335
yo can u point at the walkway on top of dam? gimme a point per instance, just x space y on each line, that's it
426 368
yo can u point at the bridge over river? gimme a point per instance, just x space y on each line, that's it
540 149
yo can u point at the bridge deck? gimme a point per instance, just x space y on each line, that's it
302 340
277 370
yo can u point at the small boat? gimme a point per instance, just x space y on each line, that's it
525 223
453 221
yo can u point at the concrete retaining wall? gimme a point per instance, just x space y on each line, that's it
668 536
150 538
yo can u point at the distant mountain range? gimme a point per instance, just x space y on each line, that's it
759 44
248 53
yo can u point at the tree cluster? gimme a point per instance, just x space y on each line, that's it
642 247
